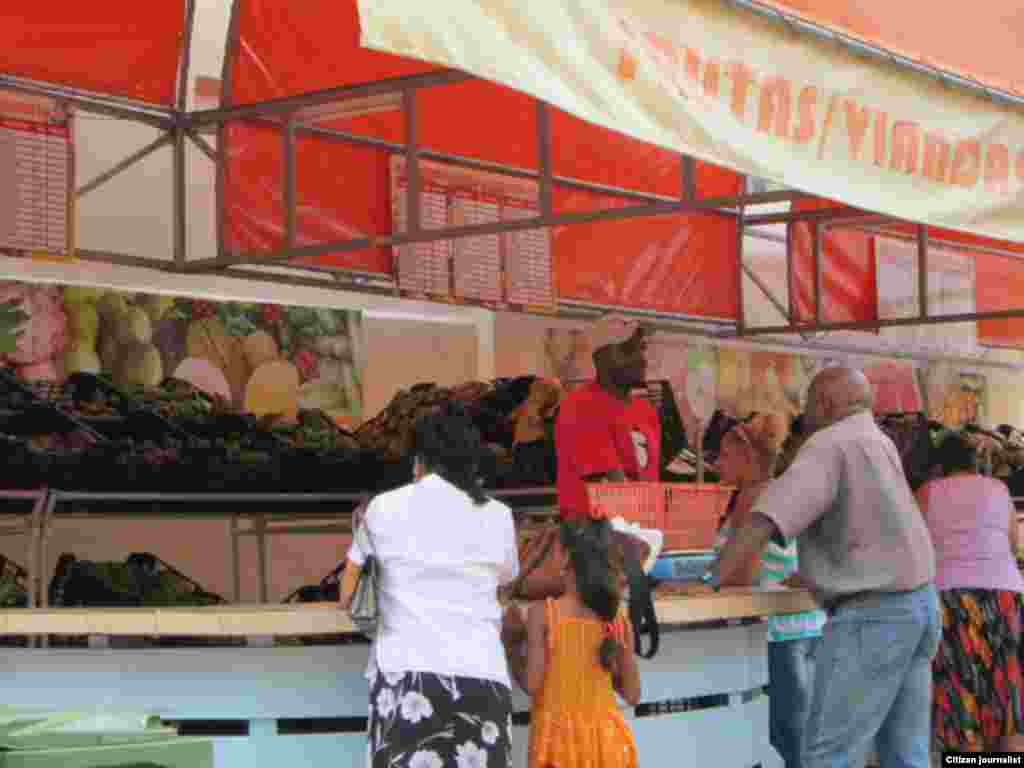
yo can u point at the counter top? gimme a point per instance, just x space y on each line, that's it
325 619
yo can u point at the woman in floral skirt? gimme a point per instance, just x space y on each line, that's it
439 684
977 673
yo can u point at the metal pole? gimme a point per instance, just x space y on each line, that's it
704 205
227 71
44 522
186 55
227 78
942 243
108 106
125 164
219 189
202 144
289 184
816 250
236 559
476 164
895 322
180 205
261 555
48 512
740 309
922 270
544 158
292 104
689 174
822 214
32 569
700 450
413 219
790 288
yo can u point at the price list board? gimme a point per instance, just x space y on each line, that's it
424 269
478 274
529 266
510 270
35 177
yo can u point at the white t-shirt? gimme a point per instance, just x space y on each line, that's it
441 559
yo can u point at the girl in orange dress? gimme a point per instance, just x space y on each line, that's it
579 654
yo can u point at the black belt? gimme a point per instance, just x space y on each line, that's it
833 605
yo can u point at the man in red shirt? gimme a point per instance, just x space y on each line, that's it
602 432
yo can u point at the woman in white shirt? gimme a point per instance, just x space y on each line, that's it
439 682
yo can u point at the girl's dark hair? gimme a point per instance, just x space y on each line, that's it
956 454
447 443
597 570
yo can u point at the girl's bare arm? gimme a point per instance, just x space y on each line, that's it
536 647
627 677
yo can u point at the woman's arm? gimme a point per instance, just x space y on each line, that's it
627 674
536 647
349 580
357 553
1014 530
747 575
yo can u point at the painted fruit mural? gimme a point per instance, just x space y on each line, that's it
267 359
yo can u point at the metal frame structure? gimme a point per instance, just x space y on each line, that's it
291 117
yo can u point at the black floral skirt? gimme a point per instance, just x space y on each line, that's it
422 720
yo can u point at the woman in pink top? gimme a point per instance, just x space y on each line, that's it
977 701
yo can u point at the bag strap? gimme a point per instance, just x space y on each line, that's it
363 525
641 608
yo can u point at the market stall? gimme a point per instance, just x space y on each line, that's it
540 209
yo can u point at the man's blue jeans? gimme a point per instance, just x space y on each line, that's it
873 682
790 685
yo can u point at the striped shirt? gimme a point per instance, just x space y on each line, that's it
777 564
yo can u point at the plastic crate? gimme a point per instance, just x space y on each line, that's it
686 513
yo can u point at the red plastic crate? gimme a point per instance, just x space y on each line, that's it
686 513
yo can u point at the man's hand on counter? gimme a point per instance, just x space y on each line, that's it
682 589
744 547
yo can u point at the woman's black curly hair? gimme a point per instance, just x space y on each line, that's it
447 443
956 454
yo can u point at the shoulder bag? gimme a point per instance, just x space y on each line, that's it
365 609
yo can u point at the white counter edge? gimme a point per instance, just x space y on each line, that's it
298 619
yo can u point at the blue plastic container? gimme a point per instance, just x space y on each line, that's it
682 566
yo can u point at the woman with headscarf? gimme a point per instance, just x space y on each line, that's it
748 458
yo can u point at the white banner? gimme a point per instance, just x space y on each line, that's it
731 88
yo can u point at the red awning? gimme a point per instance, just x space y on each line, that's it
976 41
680 263
120 48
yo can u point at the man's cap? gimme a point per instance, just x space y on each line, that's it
610 330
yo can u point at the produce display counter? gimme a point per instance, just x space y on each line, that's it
255 514
279 700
